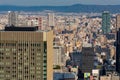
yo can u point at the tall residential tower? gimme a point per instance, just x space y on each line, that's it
12 18
106 22
51 21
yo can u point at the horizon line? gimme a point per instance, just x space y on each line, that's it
59 5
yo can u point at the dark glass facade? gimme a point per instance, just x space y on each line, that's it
118 52
87 59
106 22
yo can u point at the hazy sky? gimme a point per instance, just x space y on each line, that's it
58 2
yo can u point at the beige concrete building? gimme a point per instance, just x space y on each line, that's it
26 55
118 21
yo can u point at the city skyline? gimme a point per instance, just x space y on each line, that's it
58 2
59 46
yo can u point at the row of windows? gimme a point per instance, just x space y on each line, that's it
1 57
7 49
26 63
32 68
21 44
25 58
20 49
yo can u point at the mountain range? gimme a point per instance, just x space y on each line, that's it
73 8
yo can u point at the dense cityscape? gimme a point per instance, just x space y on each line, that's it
52 45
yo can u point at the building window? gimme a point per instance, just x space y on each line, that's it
7 49
39 50
38 45
1 44
14 53
13 71
14 57
7 53
32 76
32 64
13 75
32 58
33 54
1 57
45 61
33 49
8 63
20 49
7 57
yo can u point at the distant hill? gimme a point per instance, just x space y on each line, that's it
73 8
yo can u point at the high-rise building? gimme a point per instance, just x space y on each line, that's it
106 22
118 22
12 18
118 52
87 59
26 54
58 55
51 21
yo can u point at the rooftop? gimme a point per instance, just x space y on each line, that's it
23 28
16 28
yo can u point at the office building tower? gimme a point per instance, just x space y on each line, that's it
106 22
51 21
26 54
87 59
118 52
118 22
12 18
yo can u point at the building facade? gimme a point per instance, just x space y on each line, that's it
26 54
87 59
117 22
118 52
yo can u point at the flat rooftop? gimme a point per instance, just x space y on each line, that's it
16 28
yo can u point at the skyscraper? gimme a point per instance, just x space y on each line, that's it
106 22
118 22
51 21
26 54
87 59
118 52
12 18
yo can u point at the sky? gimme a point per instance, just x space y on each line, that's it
57 2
